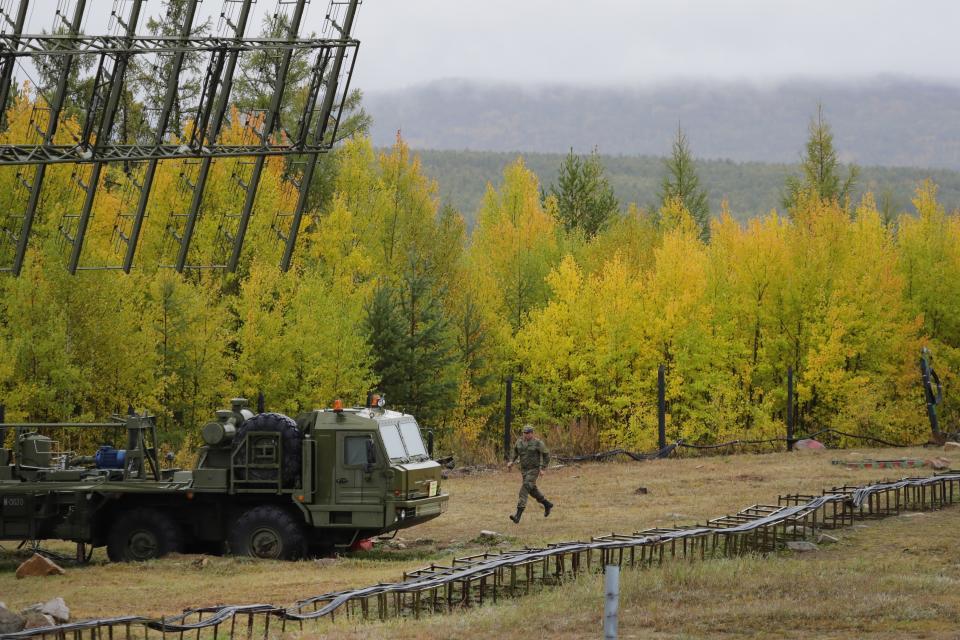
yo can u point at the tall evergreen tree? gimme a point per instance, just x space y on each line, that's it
384 328
413 344
152 78
79 80
254 84
821 169
472 341
682 182
585 199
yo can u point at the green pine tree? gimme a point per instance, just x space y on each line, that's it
413 344
681 181
585 199
253 86
384 328
151 76
473 343
821 169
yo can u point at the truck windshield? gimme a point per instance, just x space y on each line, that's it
411 438
403 441
392 441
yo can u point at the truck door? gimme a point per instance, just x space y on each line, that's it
358 470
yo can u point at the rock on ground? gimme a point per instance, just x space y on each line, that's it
808 444
38 565
35 619
10 622
56 609
423 542
824 538
488 537
802 546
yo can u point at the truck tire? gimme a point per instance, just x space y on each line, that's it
292 439
143 534
268 532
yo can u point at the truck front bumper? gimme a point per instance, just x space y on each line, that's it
407 513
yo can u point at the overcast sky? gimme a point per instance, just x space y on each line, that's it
618 42
408 42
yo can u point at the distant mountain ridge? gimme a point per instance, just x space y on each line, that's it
892 122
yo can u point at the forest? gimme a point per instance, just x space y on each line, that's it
575 295
751 189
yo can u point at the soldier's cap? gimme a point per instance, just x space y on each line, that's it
528 428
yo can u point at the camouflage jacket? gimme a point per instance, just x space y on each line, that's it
532 455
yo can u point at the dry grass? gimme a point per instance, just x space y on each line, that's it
895 578
898 578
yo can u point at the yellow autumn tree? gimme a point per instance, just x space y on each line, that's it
929 260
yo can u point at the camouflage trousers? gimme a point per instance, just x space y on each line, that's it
529 487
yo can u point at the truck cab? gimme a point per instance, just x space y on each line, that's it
373 473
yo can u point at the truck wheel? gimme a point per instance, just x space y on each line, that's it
292 445
268 532
143 534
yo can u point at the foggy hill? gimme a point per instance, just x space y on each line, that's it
882 122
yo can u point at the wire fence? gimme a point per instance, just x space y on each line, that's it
666 451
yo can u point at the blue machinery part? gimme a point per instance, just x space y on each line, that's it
109 458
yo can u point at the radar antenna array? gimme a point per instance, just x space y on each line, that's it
183 120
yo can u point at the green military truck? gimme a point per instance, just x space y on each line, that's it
264 485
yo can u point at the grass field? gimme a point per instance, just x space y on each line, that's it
894 578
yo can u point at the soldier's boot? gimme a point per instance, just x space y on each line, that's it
516 516
542 499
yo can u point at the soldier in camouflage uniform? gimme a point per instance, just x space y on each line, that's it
533 457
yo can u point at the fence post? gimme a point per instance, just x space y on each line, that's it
611 582
661 408
932 391
789 408
507 418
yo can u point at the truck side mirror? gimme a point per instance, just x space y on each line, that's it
371 456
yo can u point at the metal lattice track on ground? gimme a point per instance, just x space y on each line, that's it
488 577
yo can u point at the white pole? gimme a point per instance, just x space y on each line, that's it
612 602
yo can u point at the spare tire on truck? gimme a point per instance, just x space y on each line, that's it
291 441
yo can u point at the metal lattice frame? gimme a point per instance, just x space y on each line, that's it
99 143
